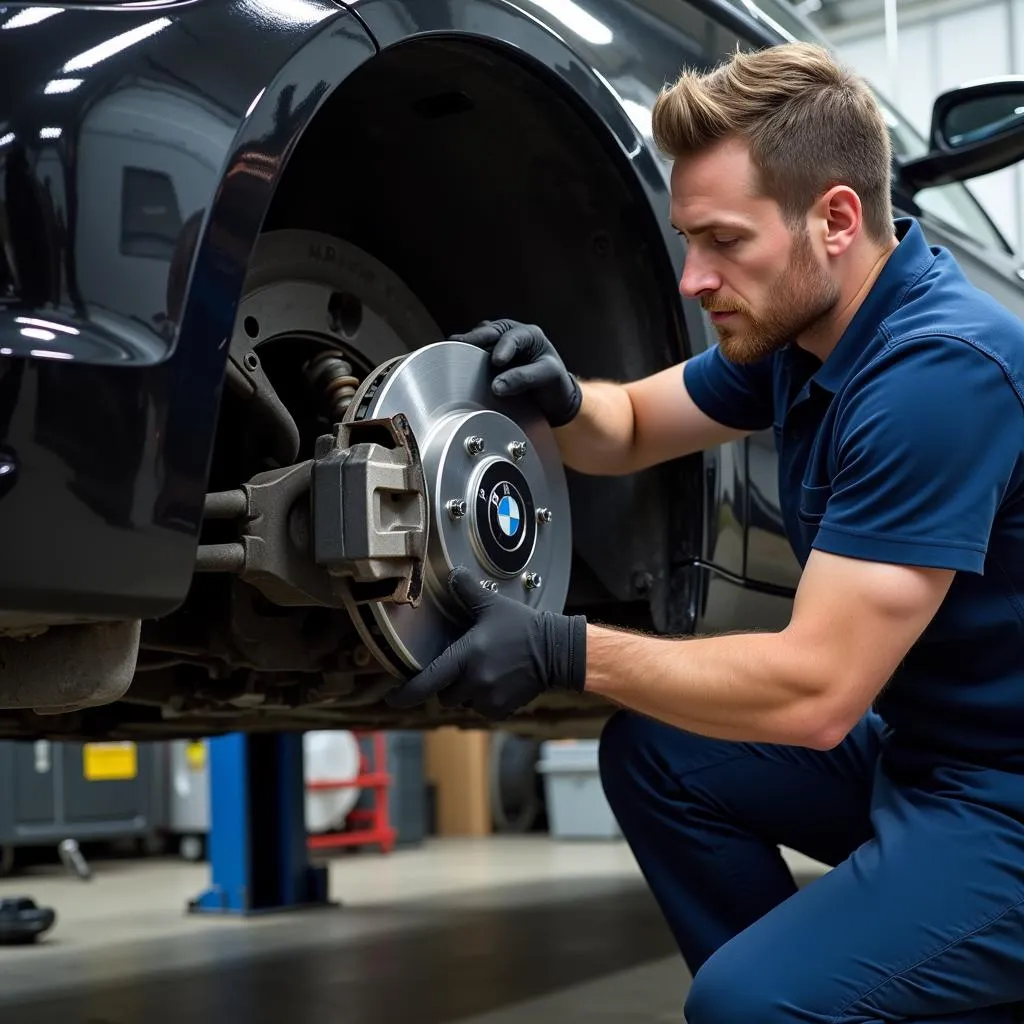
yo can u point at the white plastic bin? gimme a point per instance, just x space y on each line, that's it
576 805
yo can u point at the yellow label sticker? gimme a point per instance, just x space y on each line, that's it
195 755
105 761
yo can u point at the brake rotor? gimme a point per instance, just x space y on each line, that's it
497 497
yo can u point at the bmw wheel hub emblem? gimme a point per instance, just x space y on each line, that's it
506 520
509 515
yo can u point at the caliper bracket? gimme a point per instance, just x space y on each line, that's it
369 509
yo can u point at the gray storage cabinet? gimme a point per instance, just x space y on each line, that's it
576 803
45 796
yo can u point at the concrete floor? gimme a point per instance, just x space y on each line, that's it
475 931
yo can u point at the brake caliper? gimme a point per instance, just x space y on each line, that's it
370 509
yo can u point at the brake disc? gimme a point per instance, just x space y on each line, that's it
497 499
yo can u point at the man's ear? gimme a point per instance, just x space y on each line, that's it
838 219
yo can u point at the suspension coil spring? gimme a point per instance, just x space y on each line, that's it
334 376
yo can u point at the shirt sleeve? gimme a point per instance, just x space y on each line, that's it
926 447
733 395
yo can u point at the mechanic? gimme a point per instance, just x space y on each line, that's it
881 730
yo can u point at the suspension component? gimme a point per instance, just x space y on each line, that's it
334 376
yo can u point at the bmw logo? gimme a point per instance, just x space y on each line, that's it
505 517
510 517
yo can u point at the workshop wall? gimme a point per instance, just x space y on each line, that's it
940 44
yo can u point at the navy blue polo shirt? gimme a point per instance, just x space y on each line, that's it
906 446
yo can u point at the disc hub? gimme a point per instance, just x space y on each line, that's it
500 532
505 523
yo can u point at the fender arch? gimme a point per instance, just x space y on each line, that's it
208 269
206 282
426 229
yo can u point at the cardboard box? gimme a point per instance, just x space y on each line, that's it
458 765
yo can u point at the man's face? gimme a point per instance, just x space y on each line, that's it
759 279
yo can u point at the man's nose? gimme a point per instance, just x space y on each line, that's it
697 277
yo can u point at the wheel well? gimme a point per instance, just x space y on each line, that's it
492 195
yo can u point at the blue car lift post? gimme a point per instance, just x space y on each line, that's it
257 845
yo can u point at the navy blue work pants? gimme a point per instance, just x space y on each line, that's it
921 917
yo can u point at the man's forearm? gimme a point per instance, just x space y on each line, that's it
600 439
751 687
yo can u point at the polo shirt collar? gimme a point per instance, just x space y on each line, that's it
904 266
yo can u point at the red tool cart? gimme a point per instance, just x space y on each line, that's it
369 826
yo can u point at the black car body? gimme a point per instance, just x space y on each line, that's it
457 160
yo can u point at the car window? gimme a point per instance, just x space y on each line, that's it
953 204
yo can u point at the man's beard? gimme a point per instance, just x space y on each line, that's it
801 297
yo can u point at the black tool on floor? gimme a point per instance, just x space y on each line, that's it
22 922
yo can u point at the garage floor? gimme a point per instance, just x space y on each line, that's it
475 931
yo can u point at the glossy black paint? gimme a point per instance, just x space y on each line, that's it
136 389
108 403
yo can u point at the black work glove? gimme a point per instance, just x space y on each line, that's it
510 654
530 364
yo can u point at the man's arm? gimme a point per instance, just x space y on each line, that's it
623 428
610 429
853 622
914 496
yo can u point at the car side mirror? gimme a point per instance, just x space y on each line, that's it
976 129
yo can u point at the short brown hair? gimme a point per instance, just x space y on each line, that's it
810 124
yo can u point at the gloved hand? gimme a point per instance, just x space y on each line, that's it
533 366
510 654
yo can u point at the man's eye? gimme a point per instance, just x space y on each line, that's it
725 243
